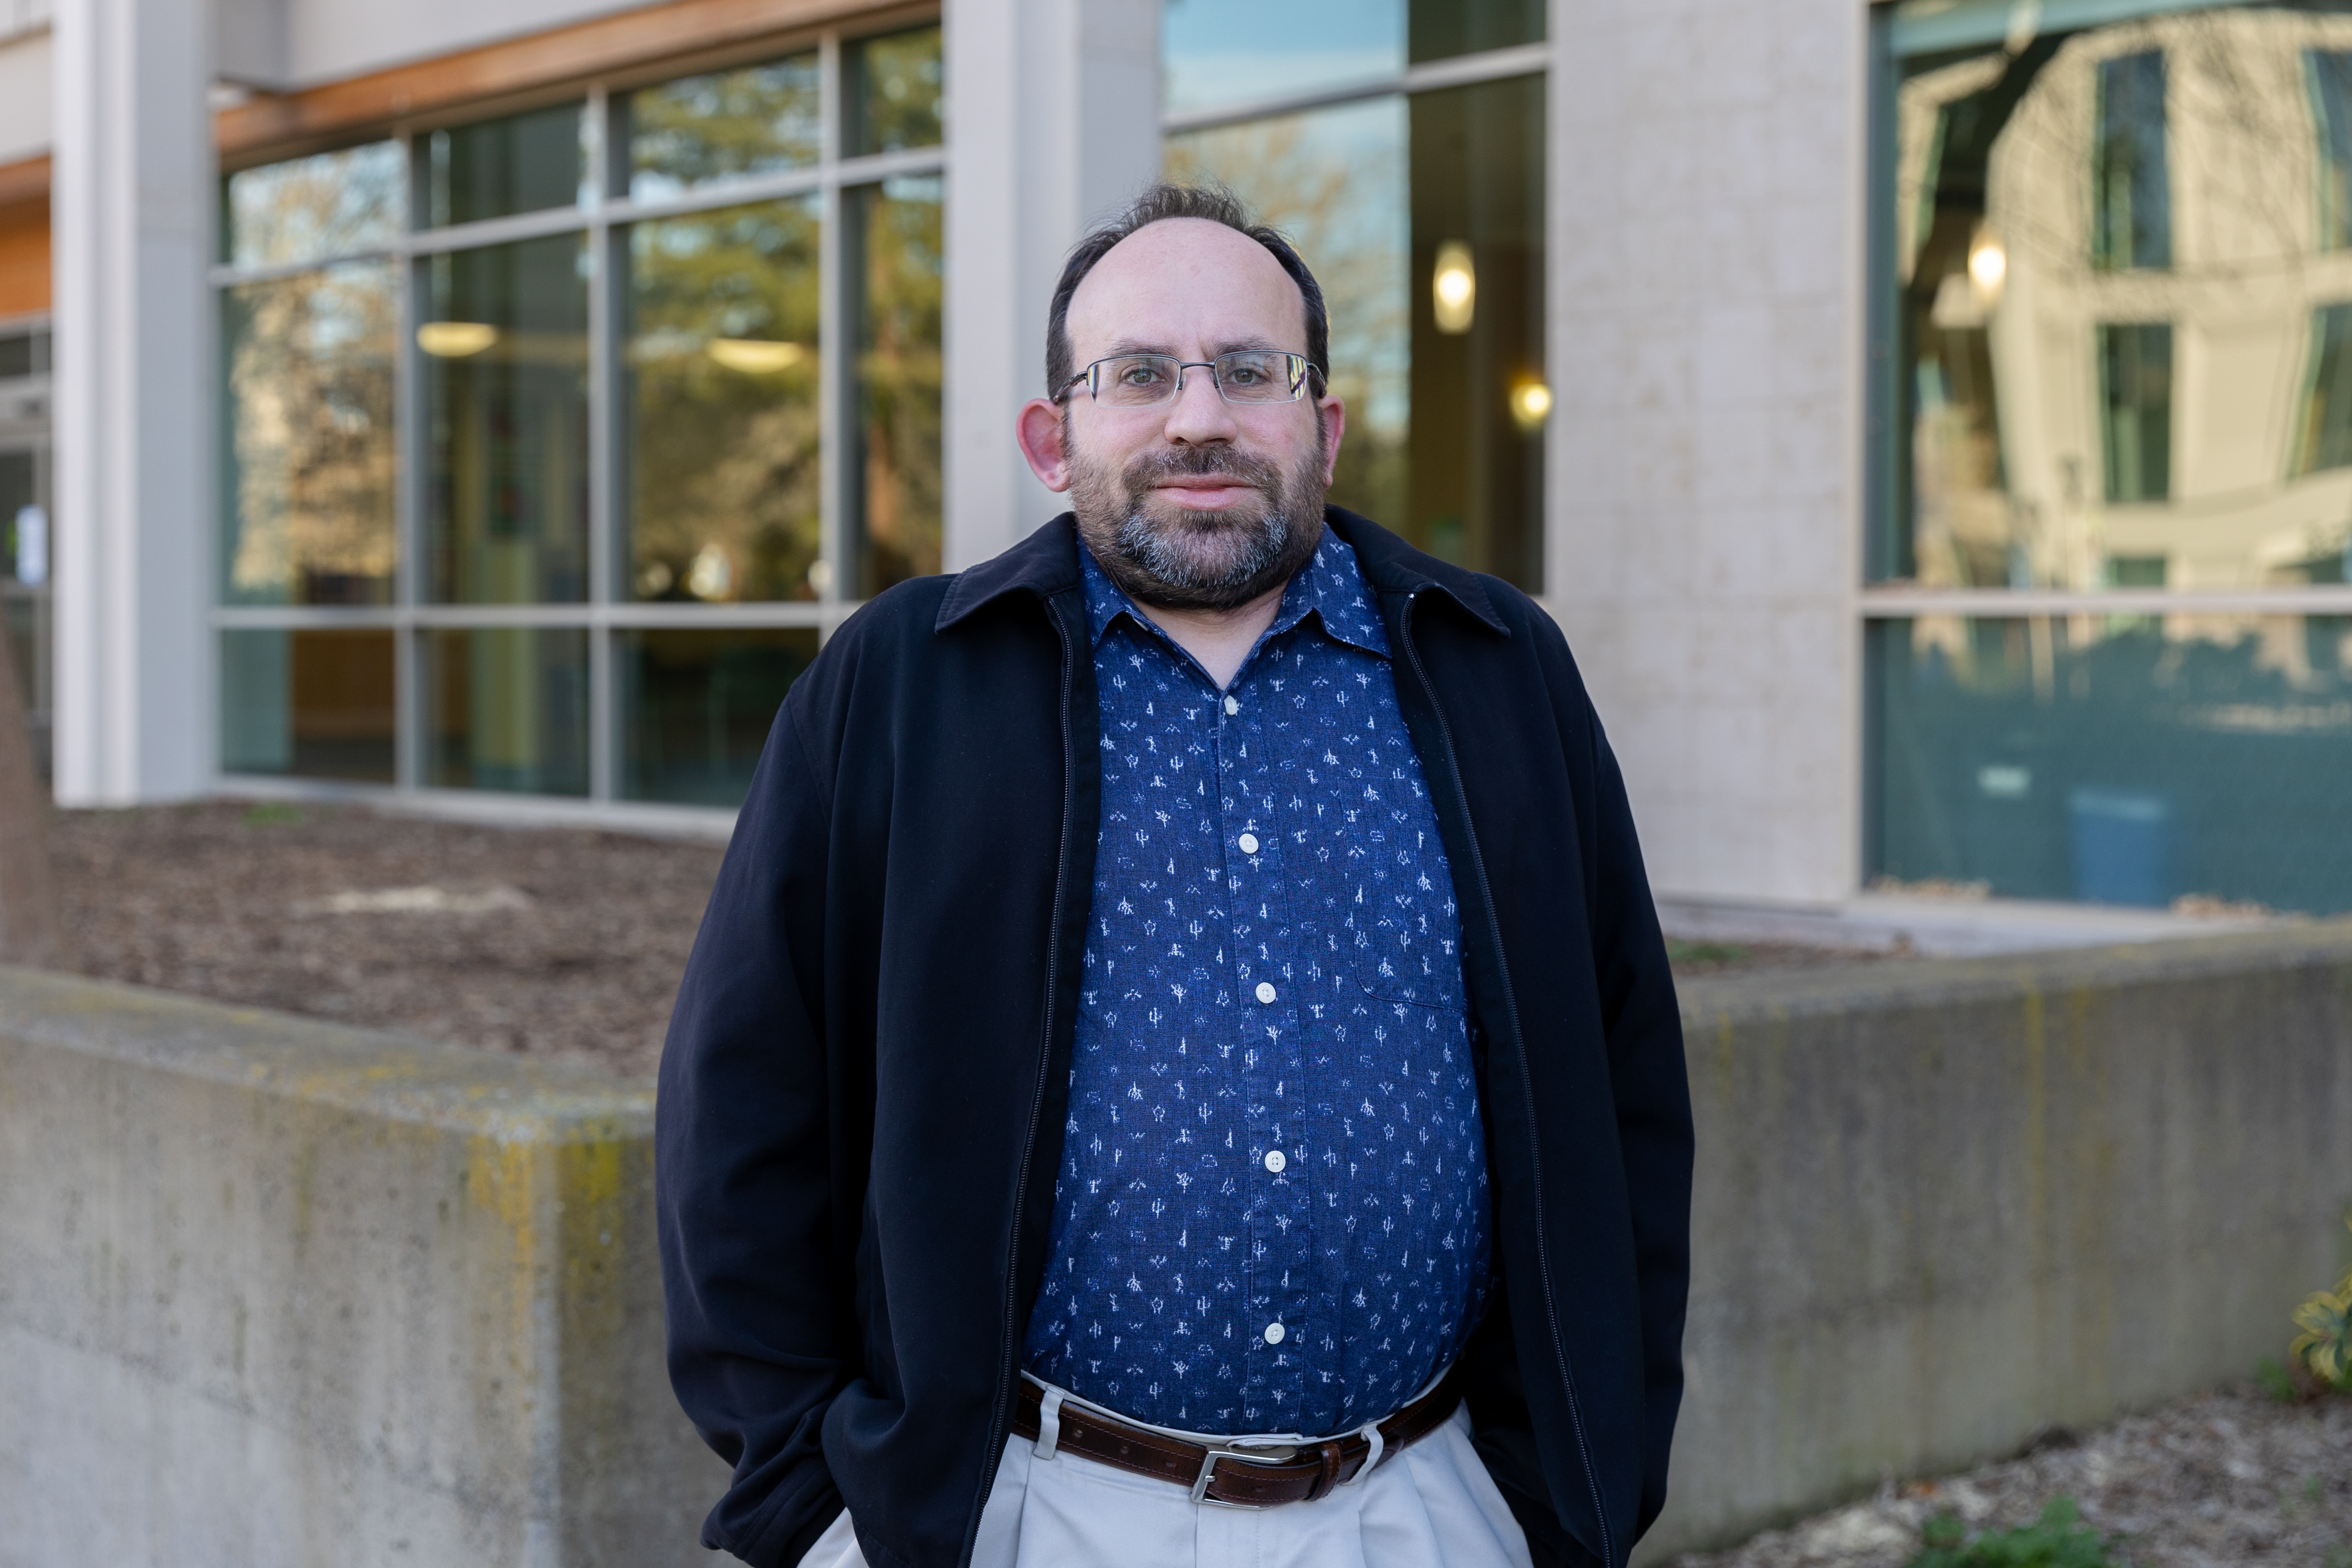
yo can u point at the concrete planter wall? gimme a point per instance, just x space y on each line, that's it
276 1293
273 1292
1944 1204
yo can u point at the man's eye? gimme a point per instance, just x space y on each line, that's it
1138 375
1246 375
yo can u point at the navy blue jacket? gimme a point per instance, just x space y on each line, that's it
861 1096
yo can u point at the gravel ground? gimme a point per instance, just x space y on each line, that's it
555 943
2235 1477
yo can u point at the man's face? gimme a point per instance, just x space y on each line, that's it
1198 502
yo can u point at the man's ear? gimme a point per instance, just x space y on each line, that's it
1039 431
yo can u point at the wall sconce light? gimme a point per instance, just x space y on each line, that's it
1531 401
1987 263
1454 288
455 340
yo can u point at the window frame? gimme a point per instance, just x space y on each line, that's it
603 220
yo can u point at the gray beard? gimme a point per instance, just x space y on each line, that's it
1159 559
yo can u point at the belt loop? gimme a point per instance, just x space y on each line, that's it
1370 1432
1049 1422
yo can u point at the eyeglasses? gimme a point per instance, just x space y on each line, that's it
1148 380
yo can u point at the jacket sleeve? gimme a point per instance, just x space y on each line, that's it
1642 1019
743 1160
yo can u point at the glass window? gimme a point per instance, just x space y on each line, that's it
308 703
507 708
307 461
665 402
331 203
1422 218
2135 404
2134 760
2328 399
520 164
19 488
505 341
898 272
1216 52
894 90
1441 30
758 120
1219 52
24 353
1334 181
723 377
697 707
2091 233
1480 398
2132 210
2327 78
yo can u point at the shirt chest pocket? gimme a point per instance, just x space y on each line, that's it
1405 941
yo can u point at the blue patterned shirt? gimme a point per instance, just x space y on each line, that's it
1272 1211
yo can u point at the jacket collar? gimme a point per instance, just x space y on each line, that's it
1046 563
1392 566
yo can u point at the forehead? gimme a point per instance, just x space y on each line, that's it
1187 284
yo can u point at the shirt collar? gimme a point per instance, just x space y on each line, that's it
1330 586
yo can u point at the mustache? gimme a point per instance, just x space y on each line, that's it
1149 468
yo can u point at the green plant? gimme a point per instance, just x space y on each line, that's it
2058 1540
1679 951
271 814
2324 1348
2276 1380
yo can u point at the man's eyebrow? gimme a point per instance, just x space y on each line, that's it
1141 346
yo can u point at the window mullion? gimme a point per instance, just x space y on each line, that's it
606 279
836 340
408 498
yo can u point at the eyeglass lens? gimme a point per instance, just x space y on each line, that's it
1246 376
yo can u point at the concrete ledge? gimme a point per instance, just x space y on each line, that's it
1943 1205
282 1293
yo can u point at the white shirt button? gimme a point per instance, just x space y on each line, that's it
1249 843
1276 1160
1274 1332
1234 705
1264 992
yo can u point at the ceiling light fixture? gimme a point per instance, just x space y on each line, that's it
455 340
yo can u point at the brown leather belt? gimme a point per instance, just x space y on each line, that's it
1260 1478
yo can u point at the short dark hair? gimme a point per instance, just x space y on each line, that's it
1215 204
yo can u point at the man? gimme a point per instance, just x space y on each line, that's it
1181 1022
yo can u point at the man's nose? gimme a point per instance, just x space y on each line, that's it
1199 414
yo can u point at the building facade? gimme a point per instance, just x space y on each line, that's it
1925 418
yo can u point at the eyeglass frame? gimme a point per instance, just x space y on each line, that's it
1304 374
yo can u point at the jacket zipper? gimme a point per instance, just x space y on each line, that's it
1527 1081
1036 1099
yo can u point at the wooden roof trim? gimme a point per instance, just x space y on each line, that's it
605 44
24 180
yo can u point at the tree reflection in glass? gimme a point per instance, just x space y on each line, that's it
893 84
760 120
722 400
307 472
896 274
505 342
326 204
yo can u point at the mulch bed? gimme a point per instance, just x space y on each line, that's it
2237 1478
554 942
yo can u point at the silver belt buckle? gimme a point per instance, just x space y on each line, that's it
1233 1450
